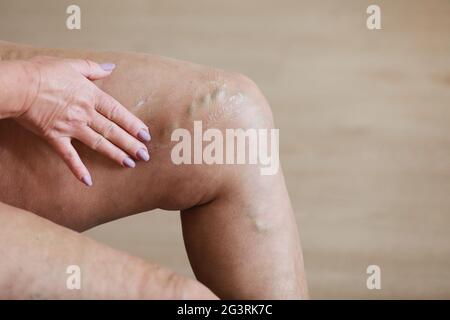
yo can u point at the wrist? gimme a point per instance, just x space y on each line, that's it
31 84
19 86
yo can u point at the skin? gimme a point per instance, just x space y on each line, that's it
36 254
239 229
54 99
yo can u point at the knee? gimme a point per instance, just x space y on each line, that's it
230 100
237 119
219 128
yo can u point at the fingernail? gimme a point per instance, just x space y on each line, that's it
108 66
128 162
87 180
143 155
144 135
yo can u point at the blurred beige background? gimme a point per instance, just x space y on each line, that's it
364 119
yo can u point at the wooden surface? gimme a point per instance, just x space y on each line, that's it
364 119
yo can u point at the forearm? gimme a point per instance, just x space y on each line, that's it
35 255
18 86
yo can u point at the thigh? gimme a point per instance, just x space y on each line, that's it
160 91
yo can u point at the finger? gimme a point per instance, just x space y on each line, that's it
99 143
119 137
70 156
91 69
114 111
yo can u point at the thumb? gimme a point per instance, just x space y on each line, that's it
91 69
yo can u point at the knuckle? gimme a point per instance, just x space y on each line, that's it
132 144
68 156
77 115
78 168
47 133
98 142
128 146
119 156
113 111
109 131
140 145
89 64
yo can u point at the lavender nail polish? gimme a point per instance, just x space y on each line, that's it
128 162
143 155
144 135
108 66
87 180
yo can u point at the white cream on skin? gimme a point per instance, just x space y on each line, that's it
217 100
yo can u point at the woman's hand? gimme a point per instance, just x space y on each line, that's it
66 105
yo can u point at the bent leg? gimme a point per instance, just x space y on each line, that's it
238 225
36 255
